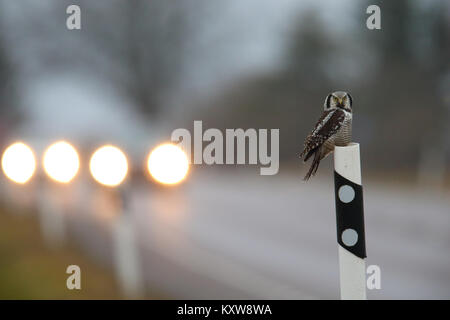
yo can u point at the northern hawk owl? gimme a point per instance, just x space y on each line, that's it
334 128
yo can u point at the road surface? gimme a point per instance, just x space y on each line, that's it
238 235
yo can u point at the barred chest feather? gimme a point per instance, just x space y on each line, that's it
342 137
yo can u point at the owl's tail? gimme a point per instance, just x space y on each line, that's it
314 166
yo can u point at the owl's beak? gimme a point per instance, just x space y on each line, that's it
341 102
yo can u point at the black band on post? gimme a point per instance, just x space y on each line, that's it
350 215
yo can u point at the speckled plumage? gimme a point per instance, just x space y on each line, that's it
334 128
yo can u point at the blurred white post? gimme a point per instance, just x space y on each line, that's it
126 255
51 219
350 222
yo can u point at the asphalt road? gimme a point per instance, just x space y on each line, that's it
239 235
245 236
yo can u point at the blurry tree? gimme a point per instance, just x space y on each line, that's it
289 99
402 96
144 41
5 79
141 47
136 45
398 105
8 99
308 52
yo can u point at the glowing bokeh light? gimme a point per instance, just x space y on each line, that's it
18 163
109 166
61 162
168 164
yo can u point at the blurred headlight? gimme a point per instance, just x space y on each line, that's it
61 162
109 166
168 164
19 163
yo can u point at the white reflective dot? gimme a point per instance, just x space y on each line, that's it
346 193
349 237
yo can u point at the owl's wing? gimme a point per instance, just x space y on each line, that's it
329 123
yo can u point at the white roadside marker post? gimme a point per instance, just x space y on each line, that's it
109 167
126 254
350 222
61 163
51 217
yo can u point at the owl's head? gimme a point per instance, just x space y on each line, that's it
338 99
